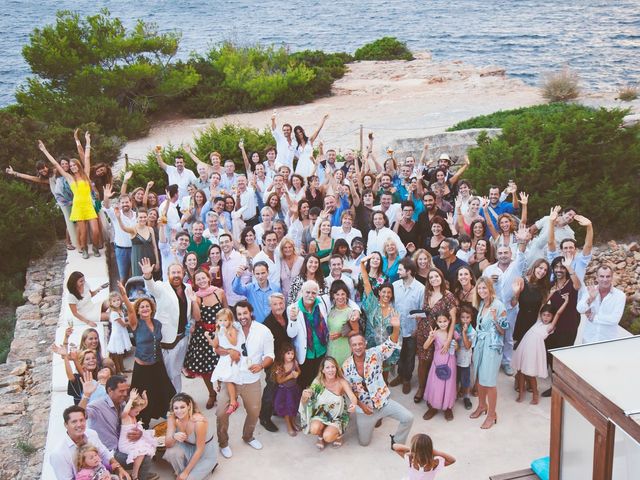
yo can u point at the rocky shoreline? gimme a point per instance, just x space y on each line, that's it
25 380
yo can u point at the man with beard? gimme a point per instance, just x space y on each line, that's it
122 239
173 312
285 147
260 356
430 210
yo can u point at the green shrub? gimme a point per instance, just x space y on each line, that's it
561 86
499 118
573 156
223 140
385 48
628 93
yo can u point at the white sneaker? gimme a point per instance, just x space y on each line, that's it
255 443
227 453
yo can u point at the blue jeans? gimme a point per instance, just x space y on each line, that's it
123 259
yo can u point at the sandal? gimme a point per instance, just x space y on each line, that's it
337 443
233 406
70 246
320 443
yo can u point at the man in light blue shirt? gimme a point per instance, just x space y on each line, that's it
257 291
408 295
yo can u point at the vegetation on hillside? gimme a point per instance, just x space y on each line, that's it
567 156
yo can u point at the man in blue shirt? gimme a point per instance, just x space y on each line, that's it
497 207
257 291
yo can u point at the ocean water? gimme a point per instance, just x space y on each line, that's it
599 39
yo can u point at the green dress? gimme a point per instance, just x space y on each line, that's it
338 348
323 254
324 406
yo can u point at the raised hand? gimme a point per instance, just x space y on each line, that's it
568 261
146 267
87 137
158 148
128 175
517 286
395 319
583 221
108 191
133 394
565 298
494 313
88 384
187 148
524 198
523 235
75 135
41 146
554 212
150 184
10 170
241 144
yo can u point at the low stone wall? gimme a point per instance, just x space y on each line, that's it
455 144
25 380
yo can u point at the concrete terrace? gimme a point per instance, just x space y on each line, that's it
521 434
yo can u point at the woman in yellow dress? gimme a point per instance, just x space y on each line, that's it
83 212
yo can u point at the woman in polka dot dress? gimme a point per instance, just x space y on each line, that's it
201 360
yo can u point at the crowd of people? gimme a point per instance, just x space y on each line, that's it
306 286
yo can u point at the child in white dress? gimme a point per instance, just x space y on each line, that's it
119 342
230 337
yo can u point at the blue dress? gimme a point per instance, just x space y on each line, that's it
487 348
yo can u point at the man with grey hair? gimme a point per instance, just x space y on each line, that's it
603 306
276 322
246 199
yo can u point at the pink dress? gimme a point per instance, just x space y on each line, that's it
531 355
145 445
441 394
421 474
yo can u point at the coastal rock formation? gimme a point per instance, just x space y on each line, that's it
25 380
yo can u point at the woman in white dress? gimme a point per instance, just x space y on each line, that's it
304 149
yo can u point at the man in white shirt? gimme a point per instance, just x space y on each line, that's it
231 260
603 307
63 459
229 177
169 211
259 356
122 239
268 254
285 147
409 295
178 174
345 229
246 198
391 210
172 252
336 265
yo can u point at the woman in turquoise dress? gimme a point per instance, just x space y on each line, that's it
487 349
323 246
323 410
342 320
192 450
379 310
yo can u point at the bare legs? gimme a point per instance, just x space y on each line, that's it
326 434
492 395
423 372
522 380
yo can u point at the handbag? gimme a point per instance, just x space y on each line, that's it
443 372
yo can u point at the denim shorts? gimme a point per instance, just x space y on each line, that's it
464 376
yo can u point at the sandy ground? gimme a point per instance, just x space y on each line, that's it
520 436
394 99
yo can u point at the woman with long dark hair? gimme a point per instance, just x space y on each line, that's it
530 293
437 300
310 270
83 211
304 148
